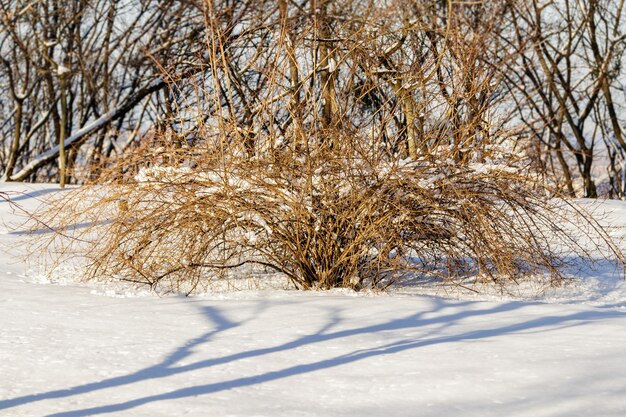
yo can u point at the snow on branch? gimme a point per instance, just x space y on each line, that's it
83 133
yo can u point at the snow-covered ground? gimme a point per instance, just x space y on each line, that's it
74 349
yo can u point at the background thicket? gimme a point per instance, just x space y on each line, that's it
87 80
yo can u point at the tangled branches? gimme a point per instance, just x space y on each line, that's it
338 217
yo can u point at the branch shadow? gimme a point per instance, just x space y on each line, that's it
34 194
324 333
165 368
69 229
160 370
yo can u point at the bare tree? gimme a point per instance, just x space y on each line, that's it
564 83
77 64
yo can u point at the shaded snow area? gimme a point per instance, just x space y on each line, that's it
71 350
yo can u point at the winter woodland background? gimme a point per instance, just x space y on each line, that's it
85 82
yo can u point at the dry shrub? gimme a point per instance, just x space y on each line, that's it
341 216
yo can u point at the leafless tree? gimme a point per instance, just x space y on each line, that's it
565 83
85 69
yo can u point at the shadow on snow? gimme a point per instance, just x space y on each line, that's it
221 324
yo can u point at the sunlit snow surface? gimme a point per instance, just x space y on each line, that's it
72 349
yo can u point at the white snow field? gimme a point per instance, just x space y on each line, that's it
72 350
